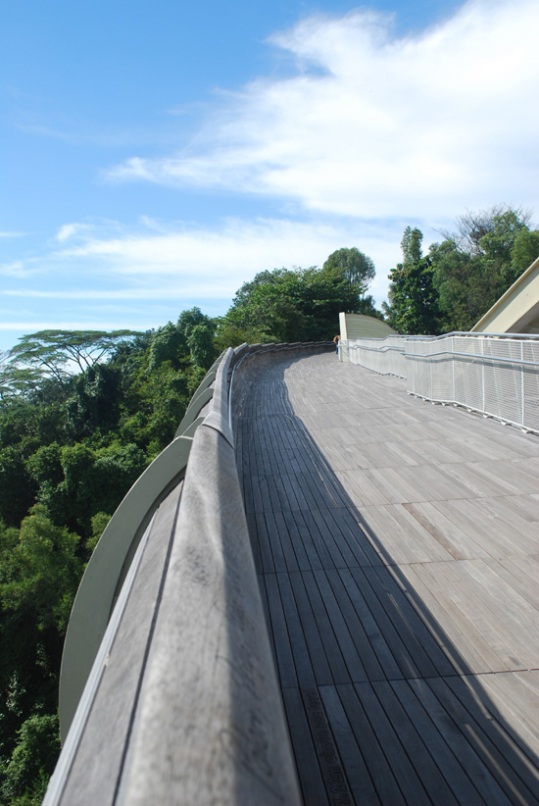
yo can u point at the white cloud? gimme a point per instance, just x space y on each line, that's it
376 126
70 231
181 261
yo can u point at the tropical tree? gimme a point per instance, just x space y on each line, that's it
413 304
289 305
472 269
54 351
356 267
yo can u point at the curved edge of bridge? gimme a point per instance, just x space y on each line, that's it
168 686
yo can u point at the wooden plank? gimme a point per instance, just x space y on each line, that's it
511 765
394 750
422 635
381 611
296 635
330 761
373 621
506 764
284 555
283 652
351 657
339 671
380 785
352 527
305 752
449 766
97 765
356 628
463 744
313 638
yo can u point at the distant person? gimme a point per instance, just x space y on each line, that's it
336 341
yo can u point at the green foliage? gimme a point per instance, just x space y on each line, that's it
54 350
202 346
356 267
40 571
99 523
413 305
525 249
16 380
16 490
470 279
71 445
289 305
168 344
25 775
461 278
95 403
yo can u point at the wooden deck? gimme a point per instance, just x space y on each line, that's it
397 548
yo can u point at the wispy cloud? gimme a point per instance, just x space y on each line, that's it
215 262
371 125
69 231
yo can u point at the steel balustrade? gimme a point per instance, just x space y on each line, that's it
495 375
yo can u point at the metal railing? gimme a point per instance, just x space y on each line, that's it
495 375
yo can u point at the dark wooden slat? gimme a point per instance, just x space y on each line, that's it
313 638
305 752
337 664
457 779
283 652
507 766
302 659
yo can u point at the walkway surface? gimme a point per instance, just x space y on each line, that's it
397 547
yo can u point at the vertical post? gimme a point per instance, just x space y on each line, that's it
483 374
522 386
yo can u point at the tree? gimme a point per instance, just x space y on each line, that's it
168 344
39 572
525 249
26 774
16 489
474 268
288 305
16 380
54 350
356 267
472 227
201 345
413 304
95 403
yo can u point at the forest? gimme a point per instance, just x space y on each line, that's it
82 413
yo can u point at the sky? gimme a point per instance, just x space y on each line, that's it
156 154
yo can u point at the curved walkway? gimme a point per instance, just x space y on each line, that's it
397 548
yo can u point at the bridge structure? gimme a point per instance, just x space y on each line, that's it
325 591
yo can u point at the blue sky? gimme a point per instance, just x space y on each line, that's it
156 154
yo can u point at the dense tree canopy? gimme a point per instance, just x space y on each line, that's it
459 279
413 299
289 305
81 416
356 267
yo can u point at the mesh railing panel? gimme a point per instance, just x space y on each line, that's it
495 375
